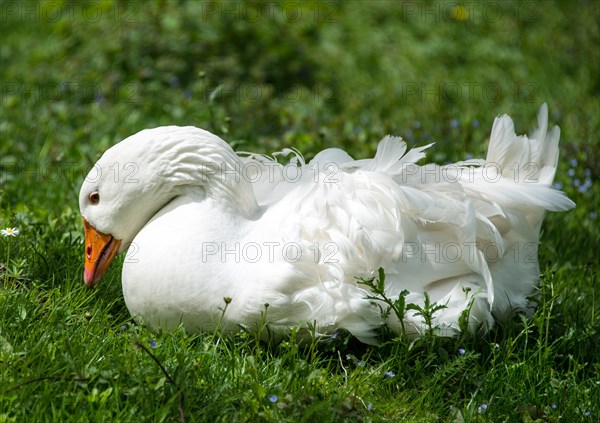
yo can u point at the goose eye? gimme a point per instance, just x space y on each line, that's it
94 198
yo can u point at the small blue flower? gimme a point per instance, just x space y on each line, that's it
152 343
454 123
475 123
361 363
558 185
273 398
482 408
124 327
588 413
390 374
593 214
369 406
462 351
416 124
469 156
577 182
573 162
99 98
587 184
571 172
553 406
587 172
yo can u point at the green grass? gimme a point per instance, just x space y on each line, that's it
78 77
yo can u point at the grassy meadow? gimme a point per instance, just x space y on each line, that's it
78 76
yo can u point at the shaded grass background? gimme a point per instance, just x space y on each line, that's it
79 76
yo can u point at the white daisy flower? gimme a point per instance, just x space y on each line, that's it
10 232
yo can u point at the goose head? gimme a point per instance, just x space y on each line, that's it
137 177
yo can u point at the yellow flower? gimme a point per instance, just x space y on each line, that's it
460 13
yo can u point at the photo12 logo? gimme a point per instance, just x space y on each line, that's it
469 252
258 252
72 11
68 91
470 11
269 251
451 91
254 12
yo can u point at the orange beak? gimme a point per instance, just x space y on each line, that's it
100 250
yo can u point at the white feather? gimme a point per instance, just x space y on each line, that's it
297 235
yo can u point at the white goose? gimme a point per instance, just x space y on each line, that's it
202 224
